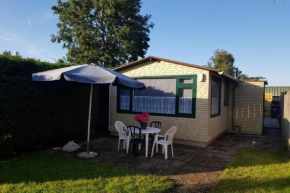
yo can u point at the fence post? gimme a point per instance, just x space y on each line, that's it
284 118
282 96
287 118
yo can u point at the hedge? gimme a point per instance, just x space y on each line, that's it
34 115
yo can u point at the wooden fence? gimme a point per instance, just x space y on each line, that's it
285 118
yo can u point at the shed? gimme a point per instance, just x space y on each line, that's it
272 99
276 90
202 102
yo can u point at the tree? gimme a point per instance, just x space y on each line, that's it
111 32
246 77
9 54
62 60
223 61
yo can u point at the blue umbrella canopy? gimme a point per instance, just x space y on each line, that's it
90 74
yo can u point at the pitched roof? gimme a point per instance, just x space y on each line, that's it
152 58
148 58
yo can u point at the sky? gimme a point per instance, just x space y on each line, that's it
256 32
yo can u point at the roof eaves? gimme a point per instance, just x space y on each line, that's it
224 74
166 60
132 63
265 81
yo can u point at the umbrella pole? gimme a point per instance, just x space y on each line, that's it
89 119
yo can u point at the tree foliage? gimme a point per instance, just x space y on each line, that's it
111 32
224 61
246 77
34 115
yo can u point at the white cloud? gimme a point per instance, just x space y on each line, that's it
21 44
8 39
36 51
28 21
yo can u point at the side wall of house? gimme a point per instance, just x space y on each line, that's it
219 124
189 129
249 107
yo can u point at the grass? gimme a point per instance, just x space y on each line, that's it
48 173
256 171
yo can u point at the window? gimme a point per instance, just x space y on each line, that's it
163 96
125 96
185 91
158 97
226 94
215 96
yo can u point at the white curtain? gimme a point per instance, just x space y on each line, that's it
185 105
124 102
154 104
159 97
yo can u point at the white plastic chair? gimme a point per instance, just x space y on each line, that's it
165 142
122 130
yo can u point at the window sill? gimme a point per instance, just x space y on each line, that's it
158 114
215 115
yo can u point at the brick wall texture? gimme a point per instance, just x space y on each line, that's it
249 107
221 123
202 128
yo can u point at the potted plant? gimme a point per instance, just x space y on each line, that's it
142 119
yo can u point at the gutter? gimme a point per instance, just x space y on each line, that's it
224 74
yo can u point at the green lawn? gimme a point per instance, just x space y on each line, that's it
48 173
256 171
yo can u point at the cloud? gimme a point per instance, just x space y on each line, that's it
28 21
8 39
21 44
36 51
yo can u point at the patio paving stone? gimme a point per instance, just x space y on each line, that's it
193 169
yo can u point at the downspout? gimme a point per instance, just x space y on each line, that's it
234 126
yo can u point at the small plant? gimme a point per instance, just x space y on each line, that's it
142 118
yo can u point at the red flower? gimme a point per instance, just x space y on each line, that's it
145 120
137 117
145 114
142 117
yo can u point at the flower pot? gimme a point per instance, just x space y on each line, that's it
143 125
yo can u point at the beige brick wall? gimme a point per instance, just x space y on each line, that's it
219 124
249 107
193 129
203 128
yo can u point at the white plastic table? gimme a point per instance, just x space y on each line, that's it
146 132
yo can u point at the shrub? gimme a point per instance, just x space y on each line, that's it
35 115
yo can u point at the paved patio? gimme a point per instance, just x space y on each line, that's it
193 169
271 123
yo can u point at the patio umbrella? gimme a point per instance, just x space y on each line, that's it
90 74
